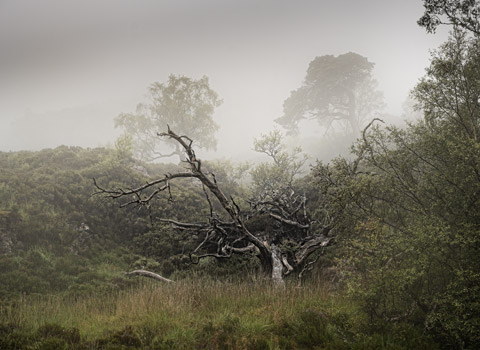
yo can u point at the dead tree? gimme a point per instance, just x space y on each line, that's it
282 249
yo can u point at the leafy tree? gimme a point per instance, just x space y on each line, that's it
413 206
187 105
461 13
337 89
449 93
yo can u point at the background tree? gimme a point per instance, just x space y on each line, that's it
461 13
187 105
337 89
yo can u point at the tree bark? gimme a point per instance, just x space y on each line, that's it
277 267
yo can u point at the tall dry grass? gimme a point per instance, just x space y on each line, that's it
182 305
201 314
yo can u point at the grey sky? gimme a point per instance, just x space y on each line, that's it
67 68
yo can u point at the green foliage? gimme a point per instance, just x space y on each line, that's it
411 229
51 228
380 283
454 321
47 337
123 339
70 336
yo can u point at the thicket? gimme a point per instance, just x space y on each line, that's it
54 235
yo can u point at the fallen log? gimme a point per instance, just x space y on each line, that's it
150 274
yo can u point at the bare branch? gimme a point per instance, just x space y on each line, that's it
311 246
208 200
308 267
289 222
185 225
121 192
150 274
287 265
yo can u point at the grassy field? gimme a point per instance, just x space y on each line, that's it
199 315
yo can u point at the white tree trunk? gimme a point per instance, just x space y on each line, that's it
277 267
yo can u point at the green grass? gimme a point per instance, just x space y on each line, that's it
196 315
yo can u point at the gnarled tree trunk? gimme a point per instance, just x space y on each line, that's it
277 267
225 235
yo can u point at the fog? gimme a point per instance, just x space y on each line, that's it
68 68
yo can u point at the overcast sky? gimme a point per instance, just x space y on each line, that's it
67 68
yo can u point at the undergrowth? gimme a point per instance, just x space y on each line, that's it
199 315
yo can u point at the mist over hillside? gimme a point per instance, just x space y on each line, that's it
227 174
69 69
